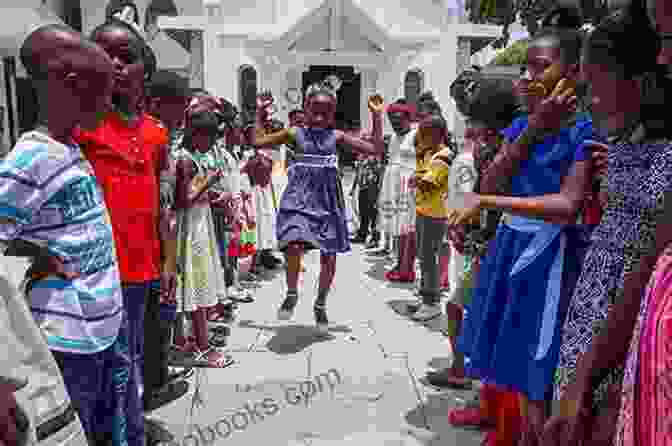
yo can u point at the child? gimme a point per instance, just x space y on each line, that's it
434 161
312 211
167 98
536 256
228 212
128 152
396 200
53 210
201 281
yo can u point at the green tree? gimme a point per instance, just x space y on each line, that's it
515 54
528 12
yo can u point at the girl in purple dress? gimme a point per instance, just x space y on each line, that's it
311 214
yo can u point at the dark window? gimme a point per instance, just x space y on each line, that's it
72 14
248 90
413 85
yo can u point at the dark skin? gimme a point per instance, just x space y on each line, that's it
91 70
547 116
126 53
320 114
186 195
75 67
401 122
169 110
610 348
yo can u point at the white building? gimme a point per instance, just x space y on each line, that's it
235 48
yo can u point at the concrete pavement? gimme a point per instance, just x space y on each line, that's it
292 386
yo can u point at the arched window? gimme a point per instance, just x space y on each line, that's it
413 85
248 90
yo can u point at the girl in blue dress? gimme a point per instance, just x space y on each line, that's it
511 331
311 214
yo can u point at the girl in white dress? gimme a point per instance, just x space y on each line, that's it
396 203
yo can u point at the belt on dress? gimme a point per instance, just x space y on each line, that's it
306 159
545 234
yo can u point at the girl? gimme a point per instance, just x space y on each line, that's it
475 96
434 161
538 249
312 213
201 285
396 202
633 232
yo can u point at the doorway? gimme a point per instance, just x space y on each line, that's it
347 111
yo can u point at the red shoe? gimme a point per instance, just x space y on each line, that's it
396 276
469 417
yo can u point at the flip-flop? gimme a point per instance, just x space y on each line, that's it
248 299
203 362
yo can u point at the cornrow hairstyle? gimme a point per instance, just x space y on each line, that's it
147 54
490 101
319 89
610 45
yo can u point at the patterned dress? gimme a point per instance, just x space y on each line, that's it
647 401
200 274
638 175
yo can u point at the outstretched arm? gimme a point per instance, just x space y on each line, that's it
557 208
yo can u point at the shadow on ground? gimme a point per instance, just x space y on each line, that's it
289 339
433 416
438 324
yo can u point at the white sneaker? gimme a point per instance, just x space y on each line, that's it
426 312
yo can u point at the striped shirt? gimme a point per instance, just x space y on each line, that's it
49 196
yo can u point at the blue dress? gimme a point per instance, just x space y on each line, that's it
511 331
312 208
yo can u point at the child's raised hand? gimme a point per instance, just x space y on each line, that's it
376 103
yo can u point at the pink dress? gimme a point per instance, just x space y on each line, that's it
646 409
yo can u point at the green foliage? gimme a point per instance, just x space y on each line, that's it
515 54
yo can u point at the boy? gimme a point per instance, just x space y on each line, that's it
53 210
167 95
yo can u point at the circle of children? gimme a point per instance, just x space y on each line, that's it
555 214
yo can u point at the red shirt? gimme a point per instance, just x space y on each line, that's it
127 160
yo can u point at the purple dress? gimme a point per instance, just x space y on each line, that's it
311 208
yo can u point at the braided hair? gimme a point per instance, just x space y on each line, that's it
492 102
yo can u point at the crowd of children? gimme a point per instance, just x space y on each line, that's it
548 228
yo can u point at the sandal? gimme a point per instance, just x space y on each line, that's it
219 336
241 296
468 417
219 360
